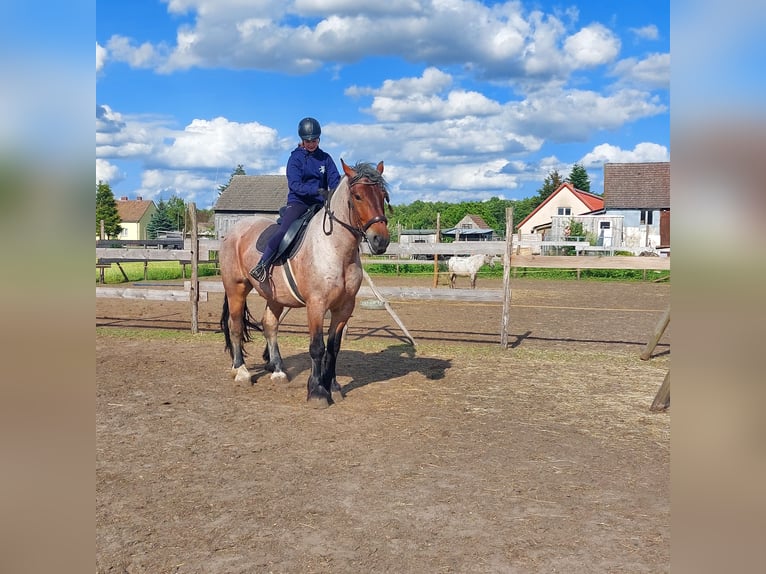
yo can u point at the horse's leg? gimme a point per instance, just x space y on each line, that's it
236 330
452 277
334 339
271 354
318 390
473 281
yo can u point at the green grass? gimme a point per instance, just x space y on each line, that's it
172 270
528 272
155 271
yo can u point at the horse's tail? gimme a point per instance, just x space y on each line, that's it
247 323
225 326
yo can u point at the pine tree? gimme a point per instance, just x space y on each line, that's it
106 210
579 177
239 170
160 221
550 184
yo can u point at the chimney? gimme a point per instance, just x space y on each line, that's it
124 198
139 198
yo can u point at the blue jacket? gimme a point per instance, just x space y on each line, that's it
306 175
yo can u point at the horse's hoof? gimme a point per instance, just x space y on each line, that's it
279 377
337 393
318 402
242 376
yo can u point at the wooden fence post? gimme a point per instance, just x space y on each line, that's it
507 277
436 255
194 290
659 329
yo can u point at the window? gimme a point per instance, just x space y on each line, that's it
646 216
564 211
466 226
604 224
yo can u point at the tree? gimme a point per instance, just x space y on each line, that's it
239 170
176 209
550 184
106 210
160 221
579 177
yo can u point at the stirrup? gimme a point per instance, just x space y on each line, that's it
259 273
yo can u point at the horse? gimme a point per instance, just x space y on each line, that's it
468 266
324 273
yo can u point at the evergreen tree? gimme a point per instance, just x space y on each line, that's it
239 170
550 184
106 210
160 221
579 177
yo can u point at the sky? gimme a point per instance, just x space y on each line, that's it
462 100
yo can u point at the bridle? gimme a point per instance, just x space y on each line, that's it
360 229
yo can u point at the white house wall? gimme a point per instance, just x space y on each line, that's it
564 198
637 236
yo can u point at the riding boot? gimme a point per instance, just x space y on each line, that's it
261 270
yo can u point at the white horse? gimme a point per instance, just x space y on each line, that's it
467 266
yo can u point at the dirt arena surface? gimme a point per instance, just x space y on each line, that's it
455 456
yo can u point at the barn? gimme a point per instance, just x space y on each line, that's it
248 195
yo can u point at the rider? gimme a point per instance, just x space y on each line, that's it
311 172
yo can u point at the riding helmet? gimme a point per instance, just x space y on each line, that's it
309 129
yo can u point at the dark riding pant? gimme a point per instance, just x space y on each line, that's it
289 214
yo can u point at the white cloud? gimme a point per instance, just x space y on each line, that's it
502 41
101 55
649 32
107 172
122 49
573 115
642 152
592 46
652 72
220 142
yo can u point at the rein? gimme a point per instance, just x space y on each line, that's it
360 231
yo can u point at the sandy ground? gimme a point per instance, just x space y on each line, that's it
455 456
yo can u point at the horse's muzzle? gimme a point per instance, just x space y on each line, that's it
378 242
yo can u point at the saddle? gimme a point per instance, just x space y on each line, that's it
292 238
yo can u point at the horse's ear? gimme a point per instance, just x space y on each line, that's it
347 170
380 167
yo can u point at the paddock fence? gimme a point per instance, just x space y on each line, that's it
204 250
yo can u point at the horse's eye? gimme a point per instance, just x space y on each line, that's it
357 197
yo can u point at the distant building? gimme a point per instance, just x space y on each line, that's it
640 194
248 195
135 215
470 228
565 201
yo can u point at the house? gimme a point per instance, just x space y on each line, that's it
470 228
135 215
248 195
566 201
640 193
407 236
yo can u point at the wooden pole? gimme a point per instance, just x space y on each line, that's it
662 399
436 255
659 329
388 307
507 277
101 236
194 290
399 239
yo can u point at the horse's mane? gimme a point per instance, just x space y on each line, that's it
364 169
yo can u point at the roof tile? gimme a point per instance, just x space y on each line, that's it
637 185
253 193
